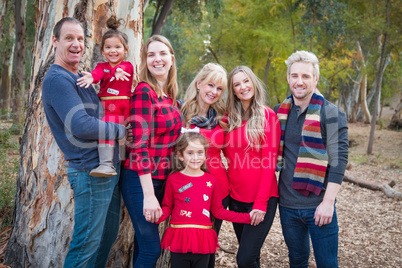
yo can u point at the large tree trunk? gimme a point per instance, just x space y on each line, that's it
43 216
18 82
378 82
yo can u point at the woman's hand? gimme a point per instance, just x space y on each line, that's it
257 216
152 210
121 75
86 80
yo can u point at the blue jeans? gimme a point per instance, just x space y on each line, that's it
297 226
96 218
251 238
147 245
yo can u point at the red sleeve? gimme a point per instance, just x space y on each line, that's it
97 74
168 201
221 213
268 185
141 108
125 66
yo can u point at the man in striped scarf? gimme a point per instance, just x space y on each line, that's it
312 159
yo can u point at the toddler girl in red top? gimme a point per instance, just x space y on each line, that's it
116 79
190 198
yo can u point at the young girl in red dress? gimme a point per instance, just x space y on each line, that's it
116 79
190 198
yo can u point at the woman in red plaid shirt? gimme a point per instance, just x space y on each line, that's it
156 123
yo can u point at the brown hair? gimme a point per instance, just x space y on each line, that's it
113 23
181 145
60 23
171 89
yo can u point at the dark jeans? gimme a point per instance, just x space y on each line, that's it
217 227
297 226
147 245
189 260
251 238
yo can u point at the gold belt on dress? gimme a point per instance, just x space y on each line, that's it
115 98
190 226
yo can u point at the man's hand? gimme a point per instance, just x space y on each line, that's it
323 213
325 210
86 80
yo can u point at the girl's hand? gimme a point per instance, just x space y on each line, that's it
121 75
152 210
86 80
257 216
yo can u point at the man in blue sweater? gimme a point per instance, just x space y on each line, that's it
314 154
73 114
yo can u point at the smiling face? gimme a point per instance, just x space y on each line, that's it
114 50
302 82
209 92
159 60
69 47
243 89
193 156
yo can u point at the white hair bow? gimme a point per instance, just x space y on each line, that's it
184 130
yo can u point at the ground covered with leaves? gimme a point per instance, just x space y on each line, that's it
370 224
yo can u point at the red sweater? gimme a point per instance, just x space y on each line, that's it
190 200
109 85
251 171
216 139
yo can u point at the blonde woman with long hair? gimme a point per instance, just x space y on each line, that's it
203 110
251 149
156 122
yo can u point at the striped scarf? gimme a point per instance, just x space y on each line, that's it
312 160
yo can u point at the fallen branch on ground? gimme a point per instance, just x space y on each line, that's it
385 188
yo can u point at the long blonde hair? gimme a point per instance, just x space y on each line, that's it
211 72
256 117
171 89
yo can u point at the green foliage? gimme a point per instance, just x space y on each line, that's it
263 33
9 170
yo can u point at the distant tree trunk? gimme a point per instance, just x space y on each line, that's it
7 66
43 215
18 81
363 86
267 65
378 82
158 25
3 4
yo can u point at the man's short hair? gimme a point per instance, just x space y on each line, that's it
59 24
304 56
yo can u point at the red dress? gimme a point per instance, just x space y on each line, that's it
114 94
190 200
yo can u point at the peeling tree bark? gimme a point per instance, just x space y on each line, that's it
43 215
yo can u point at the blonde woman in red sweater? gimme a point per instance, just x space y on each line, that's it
251 149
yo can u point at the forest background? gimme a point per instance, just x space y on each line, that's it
358 43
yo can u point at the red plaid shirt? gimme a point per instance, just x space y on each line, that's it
156 124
